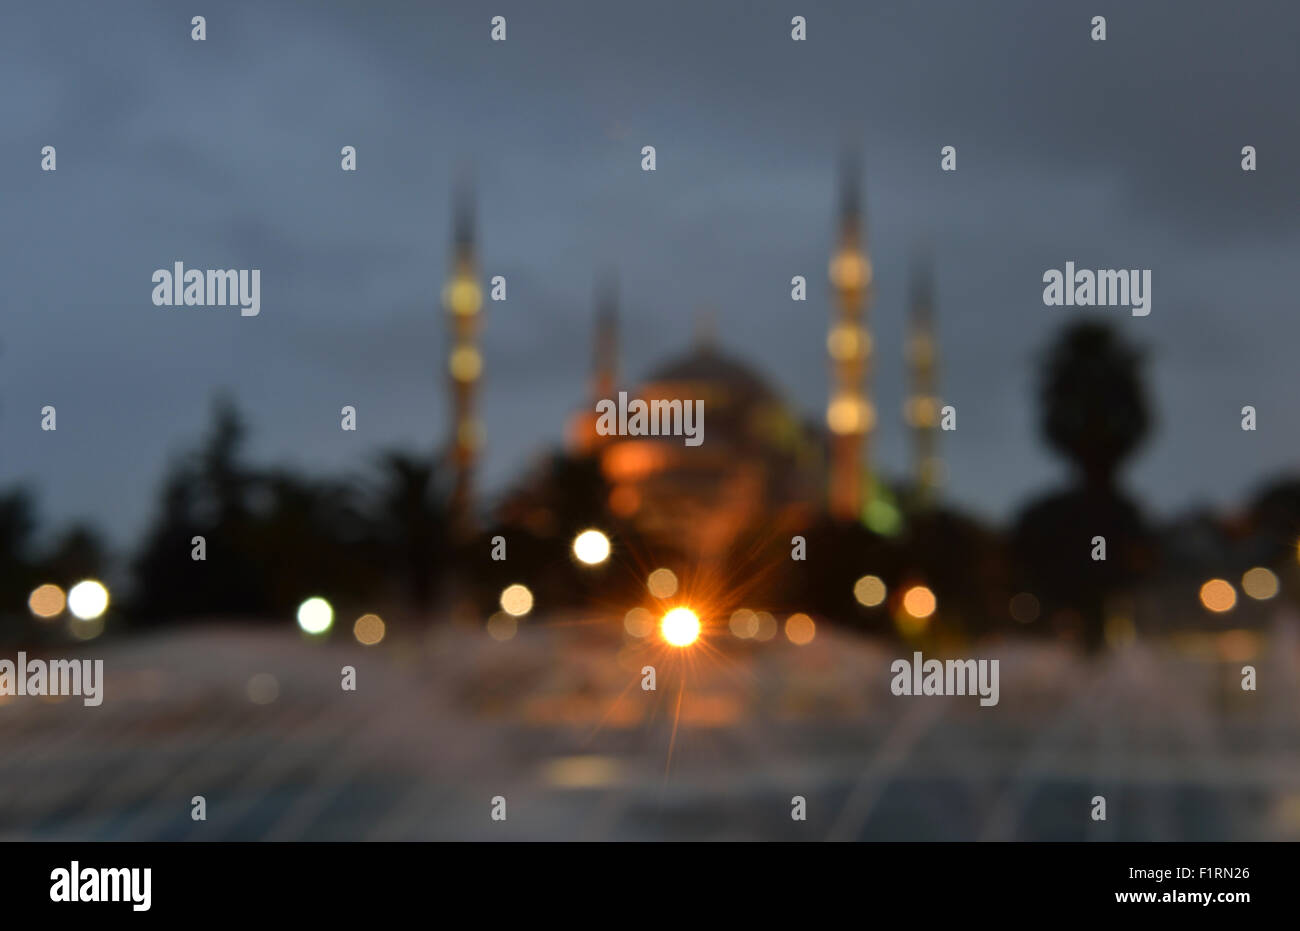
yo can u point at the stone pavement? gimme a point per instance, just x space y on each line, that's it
555 720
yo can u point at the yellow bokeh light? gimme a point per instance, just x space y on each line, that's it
591 547
315 616
1259 583
463 296
766 626
850 270
744 623
502 627
910 626
1218 595
1119 631
516 600
262 688
800 629
639 622
849 413
921 411
1237 646
919 601
680 627
47 601
869 590
662 583
466 364
582 772
847 341
368 629
86 629
88 599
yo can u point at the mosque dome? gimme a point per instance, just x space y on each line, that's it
757 461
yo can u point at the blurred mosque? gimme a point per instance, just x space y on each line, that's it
762 465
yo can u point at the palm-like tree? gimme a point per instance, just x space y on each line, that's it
1094 410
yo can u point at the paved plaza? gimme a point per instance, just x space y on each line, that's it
555 721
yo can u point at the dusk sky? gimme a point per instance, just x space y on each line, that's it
226 154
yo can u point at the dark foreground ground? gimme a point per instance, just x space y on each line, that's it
555 721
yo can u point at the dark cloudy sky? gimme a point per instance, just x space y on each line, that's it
1122 154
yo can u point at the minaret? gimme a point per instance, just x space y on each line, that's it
921 410
605 360
582 436
849 414
463 299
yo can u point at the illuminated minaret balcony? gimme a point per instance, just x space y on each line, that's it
850 270
463 297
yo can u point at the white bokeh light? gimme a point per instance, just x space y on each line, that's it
88 600
591 547
315 615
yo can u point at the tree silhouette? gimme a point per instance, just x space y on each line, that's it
17 523
1094 410
205 493
223 477
305 538
409 511
79 553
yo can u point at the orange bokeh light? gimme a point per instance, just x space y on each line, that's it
800 629
919 601
1218 595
